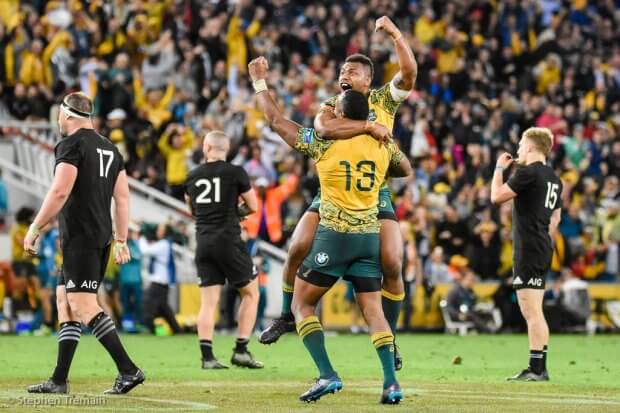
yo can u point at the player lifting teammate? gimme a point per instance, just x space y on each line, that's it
535 215
357 74
213 189
351 173
89 172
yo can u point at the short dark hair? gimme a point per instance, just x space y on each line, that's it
364 60
354 105
79 102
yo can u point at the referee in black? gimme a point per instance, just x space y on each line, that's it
89 172
213 191
536 214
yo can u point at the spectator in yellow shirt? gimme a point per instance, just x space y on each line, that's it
153 106
32 70
174 145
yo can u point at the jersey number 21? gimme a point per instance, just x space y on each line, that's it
204 197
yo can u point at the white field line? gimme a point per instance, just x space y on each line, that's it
525 397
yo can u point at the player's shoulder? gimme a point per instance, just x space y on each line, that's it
543 170
330 101
377 94
69 141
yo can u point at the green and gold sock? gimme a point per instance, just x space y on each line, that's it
384 344
311 332
287 298
391 304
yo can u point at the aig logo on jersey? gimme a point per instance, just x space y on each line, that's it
534 282
321 258
89 284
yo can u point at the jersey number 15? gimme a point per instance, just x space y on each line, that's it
204 197
552 195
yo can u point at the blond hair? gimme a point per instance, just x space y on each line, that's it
542 138
217 140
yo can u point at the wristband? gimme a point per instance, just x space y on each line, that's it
34 230
259 86
118 245
499 168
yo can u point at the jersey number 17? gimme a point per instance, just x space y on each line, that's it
103 172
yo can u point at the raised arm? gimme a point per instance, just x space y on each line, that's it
121 218
405 79
328 126
501 192
287 129
64 179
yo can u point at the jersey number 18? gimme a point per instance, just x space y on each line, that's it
360 185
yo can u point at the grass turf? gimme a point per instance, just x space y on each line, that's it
585 374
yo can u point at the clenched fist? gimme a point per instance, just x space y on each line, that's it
258 68
384 23
504 160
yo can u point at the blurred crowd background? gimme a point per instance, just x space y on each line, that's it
164 72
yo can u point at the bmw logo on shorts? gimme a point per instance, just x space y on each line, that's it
321 258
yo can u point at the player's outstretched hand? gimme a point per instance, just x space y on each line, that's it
379 132
121 252
504 160
30 240
258 68
384 23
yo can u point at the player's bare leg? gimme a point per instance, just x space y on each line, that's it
68 339
209 303
393 289
85 306
247 319
309 328
301 242
531 304
383 340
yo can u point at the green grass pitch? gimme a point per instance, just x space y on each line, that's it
585 374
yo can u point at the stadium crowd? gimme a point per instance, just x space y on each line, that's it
163 72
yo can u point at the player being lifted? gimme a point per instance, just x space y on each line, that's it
213 189
351 173
535 215
89 172
357 74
